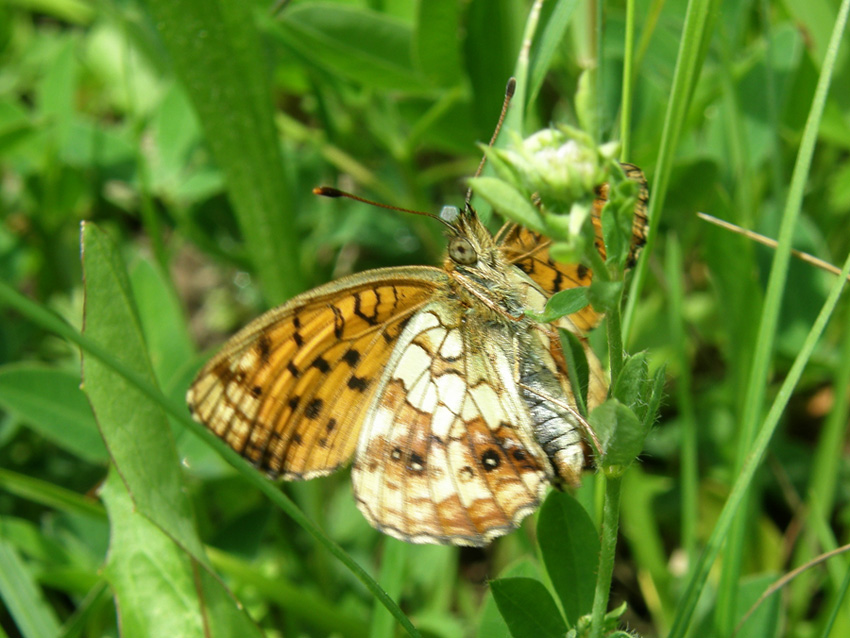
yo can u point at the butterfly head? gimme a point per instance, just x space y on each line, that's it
477 266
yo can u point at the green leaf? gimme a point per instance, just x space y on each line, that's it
578 370
528 608
561 304
164 327
216 50
493 39
142 447
767 618
555 18
630 387
51 402
569 544
621 434
605 295
508 201
353 43
160 590
492 624
436 46
135 430
22 598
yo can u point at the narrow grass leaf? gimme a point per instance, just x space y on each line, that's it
216 50
528 608
569 544
768 327
49 494
22 598
51 402
697 29
701 570
578 370
554 20
392 579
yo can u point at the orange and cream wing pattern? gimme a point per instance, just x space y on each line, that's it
529 251
289 392
446 453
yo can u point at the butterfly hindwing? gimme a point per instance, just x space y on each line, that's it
289 391
446 452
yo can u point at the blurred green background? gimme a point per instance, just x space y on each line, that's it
191 133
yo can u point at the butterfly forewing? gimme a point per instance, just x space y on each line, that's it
289 391
446 453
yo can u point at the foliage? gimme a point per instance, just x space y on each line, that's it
189 135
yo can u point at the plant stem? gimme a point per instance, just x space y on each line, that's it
610 523
615 339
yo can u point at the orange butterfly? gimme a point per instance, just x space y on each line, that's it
431 379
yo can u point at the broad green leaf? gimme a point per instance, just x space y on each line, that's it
630 388
135 429
569 545
767 619
621 434
357 44
160 590
163 324
142 447
563 303
492 624
508 201
217 53
22 598
528 608
51 402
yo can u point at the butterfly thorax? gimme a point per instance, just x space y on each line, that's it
481 276
495 295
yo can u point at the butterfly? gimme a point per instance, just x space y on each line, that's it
432 382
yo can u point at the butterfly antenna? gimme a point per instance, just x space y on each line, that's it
330 191
510 89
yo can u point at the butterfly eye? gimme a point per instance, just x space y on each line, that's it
462 252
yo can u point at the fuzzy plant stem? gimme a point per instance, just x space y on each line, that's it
610 524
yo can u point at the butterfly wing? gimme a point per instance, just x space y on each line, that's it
529 251
446 452
290 390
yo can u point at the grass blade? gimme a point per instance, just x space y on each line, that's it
216 50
